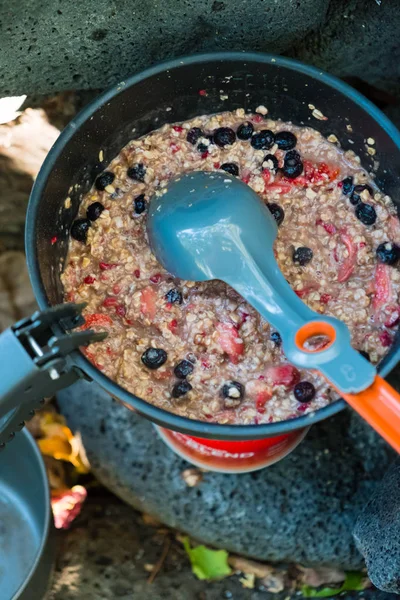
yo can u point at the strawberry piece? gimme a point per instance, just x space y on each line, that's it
89 279
266 175
329 227
156 278
229 340
392 315
107 266
97 320
348 265
53 240
202 92
280 188
110 302
136 273
120 310
302 293
173 326
325 298
174 147
116 289
216 165
259 391
394 229
148 302
177 128
257 119
385 339
286 375
204 155
383 288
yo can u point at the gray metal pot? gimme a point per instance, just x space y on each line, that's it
26 536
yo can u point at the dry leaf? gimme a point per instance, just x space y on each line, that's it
150 520
248 581
323 575
192 477
251 567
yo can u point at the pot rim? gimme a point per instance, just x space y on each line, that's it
33 447
155 414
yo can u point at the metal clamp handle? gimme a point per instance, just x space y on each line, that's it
35 362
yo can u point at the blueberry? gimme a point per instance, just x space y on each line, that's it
183 369
232 392
355 197
224 136
245 130
286 140
276 338
194 135
304 391
365 213
231 168
347 186
388 253
94 211
364 354
137 172
263 140
104 180
292 165
154 358
302 255
270 162
277 212
180 389
139 204
174 296
79 229
202 148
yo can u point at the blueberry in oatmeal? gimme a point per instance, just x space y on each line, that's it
139 204
277 212
285 140
174 295
302 255
347 186
292 164
183 369
233 393
194 135
180 389
94 211
137 172
230 168
198 348
304 391
245 130
79 230
388 253
104 180
262 140
366 213
357 194
270 162
154 358
224 136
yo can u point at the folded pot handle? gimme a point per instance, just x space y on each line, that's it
35 363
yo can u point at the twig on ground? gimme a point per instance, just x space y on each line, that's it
161 560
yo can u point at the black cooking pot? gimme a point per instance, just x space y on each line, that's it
170 92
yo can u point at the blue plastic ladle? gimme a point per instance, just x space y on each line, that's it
206 226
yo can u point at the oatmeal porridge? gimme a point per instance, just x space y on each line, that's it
198 349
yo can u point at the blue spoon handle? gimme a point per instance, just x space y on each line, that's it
266 289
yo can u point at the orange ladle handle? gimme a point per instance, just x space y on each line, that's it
379 405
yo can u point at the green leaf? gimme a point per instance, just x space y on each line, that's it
206 563
354 581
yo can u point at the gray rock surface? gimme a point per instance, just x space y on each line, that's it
302 509
377 532
109 552
74 45
359 38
